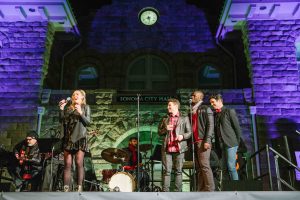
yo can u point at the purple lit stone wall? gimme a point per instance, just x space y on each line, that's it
275 76
24 54
181 28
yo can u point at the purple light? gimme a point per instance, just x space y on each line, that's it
297 155
119 30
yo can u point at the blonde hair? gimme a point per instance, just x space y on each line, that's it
83 94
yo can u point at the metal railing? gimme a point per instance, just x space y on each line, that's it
276 156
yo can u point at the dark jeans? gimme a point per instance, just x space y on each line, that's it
205 179
167 161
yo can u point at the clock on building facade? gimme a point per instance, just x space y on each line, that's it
148 16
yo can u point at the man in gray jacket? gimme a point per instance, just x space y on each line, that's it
177 130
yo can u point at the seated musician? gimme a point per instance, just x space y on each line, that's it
27 165
133 155
130 165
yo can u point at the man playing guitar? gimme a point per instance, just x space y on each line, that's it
28 164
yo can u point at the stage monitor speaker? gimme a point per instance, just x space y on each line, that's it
247 185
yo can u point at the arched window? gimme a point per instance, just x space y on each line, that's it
148 72
87 78
209 76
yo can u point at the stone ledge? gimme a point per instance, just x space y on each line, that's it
57 12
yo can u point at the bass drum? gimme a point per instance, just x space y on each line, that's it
122 182
107 174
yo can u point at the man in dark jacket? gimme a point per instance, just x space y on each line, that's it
203 130
228 133
176 129
28 166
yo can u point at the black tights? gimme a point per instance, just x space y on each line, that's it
79 156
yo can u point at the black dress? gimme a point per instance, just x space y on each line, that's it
75 129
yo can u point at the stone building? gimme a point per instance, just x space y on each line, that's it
249 55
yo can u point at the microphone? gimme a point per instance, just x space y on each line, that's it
190 101
69 100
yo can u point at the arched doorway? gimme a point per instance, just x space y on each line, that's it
145 136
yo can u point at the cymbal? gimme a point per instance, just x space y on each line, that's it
114 155
145 147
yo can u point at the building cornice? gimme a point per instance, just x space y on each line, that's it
57 12
236 11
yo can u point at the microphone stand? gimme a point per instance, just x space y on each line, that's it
138 149
51 170
151 153
193 146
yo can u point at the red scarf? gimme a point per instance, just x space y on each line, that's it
218 110
195 127
134 155
173 145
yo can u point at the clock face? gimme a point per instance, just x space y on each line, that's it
148 16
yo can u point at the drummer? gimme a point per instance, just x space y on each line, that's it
131 150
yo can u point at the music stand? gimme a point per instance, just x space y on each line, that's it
156 153
46 144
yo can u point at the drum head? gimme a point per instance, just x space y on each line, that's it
107 174
122 182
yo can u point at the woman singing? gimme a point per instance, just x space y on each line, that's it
75 118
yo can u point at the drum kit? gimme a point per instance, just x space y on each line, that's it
124 180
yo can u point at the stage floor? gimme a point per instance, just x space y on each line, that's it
265 195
